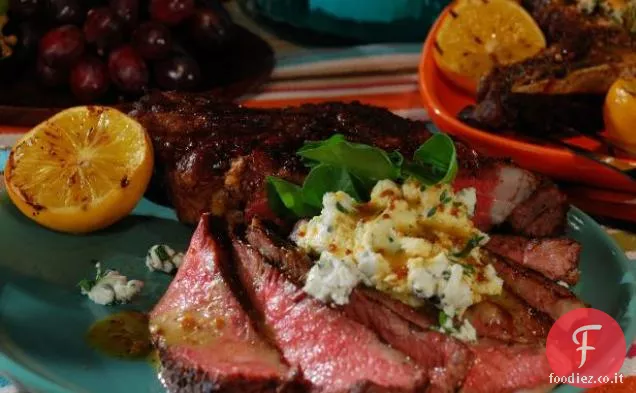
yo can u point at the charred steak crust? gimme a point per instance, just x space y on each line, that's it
182 377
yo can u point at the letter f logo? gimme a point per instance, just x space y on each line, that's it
583 343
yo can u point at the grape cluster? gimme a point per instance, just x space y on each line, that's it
126 46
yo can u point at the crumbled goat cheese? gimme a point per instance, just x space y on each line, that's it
563 284
163 258
111 287
468 197
332 279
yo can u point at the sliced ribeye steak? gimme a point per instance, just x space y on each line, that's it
206 340
449 363
334 353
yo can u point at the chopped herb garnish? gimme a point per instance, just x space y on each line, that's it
472 243
446 274
457 204
341 208
423 187
443 196
86 285
162 253
391 239
431 212
442 318
469 269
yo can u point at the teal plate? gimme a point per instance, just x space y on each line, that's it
43 318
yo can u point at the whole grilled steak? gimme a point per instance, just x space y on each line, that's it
206 341
563 87
213 156
334 353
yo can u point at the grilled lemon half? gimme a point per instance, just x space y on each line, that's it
82 170
477 35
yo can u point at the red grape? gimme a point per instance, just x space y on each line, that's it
25 8
103 28
62 46
67 11
171 12
89 79
209 28
128 70
178 73
153 40
49 76
126 10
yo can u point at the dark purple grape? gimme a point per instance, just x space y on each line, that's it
210 29
126 10
153 40
62 46
67 11
89 79
178 73
127 69
25 8
103 28
49 76
171 12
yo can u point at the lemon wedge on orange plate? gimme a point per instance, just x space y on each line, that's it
477 35
82 170
619 113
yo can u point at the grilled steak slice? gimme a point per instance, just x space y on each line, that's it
542 214
206 340
500 188
508 318
539 292
506 369
213 156
555 258
334 353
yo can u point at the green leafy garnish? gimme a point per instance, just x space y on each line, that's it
286 198
368 163
470 244
354 168
326 178
431 212
86 284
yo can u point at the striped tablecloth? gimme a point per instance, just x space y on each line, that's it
383 75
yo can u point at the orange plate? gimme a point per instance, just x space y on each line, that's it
444 101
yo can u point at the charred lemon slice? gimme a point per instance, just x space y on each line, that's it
477 35
82 170
620 113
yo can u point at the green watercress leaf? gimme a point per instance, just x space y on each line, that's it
435 161
329 178
286 199
368 163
